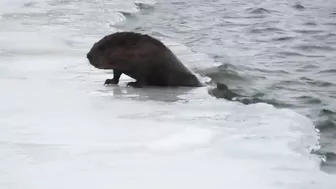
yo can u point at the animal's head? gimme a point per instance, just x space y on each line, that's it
113 50
108 52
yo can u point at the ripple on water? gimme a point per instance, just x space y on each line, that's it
316 82
309 31
310 23
308 67
290 53
314 48
326 125
309 99
258 11
330 24
327 112
328 163
288 83
29 4
267 30
298 6
223 72
148 5
323 37
327 120
328 71
285 38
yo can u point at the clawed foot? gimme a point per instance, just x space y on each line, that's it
135 84
110 82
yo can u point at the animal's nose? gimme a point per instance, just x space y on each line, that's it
89 56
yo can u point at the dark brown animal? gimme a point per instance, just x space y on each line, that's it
143 58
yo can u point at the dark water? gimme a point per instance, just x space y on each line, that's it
282 52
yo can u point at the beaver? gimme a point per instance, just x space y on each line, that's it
141 57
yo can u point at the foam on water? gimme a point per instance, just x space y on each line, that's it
61 128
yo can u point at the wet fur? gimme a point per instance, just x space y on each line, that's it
141 57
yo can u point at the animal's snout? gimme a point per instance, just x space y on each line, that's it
89 56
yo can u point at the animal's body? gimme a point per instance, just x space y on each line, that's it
141 57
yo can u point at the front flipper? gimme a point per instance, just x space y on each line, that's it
137 84
115 80
110 81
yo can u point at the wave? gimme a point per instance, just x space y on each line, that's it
139 5
223 72
316 82
267 29
326 120
328 160
227 75
326 124
285 38
309 31
298 6
310 23
222 91
145 5
328 71
309 99
113 11
313 48
258 11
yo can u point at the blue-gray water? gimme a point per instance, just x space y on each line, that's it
61 128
